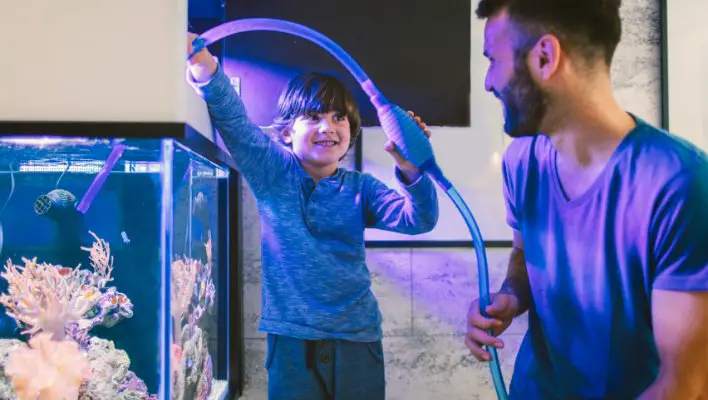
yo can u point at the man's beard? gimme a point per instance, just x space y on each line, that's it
525 104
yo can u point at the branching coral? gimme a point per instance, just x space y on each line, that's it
192 289
204 289
47 370
111 307
43 297
101 261
184 276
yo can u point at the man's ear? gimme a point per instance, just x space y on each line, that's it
544 57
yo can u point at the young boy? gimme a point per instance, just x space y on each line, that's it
322 321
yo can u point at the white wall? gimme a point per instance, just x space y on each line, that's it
97 61
470 157
687 46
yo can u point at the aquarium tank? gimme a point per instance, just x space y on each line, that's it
119 267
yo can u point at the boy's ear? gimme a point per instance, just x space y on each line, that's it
286 137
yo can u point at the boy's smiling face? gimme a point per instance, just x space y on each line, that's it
319 140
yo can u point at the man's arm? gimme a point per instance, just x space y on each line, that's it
516 282
679 237
680 322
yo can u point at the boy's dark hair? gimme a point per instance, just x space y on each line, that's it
316 92
588 28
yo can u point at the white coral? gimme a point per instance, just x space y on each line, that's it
47 370
101 261
45 297
184 276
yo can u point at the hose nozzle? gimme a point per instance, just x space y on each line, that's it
405 133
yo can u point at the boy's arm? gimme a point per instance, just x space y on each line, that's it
413 212
260 159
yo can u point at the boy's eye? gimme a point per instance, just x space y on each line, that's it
312 117
340 117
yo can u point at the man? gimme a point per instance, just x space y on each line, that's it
609 214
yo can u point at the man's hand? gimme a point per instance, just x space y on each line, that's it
503 309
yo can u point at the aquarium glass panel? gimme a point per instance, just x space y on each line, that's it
82 234
199 316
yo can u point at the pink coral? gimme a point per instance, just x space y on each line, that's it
47 370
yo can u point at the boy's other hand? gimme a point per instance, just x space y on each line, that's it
202 65
409 171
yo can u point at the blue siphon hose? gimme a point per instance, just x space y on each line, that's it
267 24
483 283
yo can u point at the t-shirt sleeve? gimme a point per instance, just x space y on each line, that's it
679 232
509 165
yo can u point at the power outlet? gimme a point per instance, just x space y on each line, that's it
236 84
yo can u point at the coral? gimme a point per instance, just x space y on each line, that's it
184 275
193 293
49 298
205 291
6 348
192 288
101 261
111 377
44 297
205 379
111 307
47 370
193 377
51 301
133 383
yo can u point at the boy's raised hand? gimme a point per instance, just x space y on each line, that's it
202 65
409 171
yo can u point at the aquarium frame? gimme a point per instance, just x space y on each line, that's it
167 153
182 132
236 344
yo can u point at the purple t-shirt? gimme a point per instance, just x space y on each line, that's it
594 260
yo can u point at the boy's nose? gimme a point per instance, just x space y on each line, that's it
326 125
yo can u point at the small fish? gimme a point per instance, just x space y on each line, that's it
89 292
64 271
125 238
